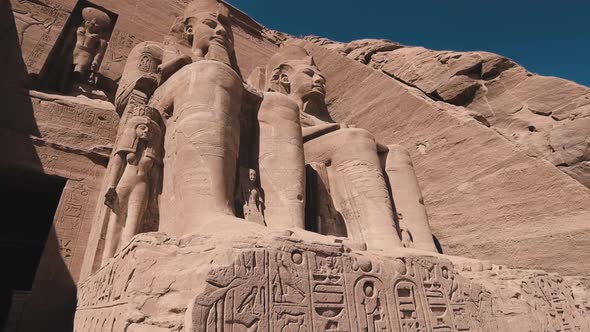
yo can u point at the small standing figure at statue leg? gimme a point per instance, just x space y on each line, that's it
252 202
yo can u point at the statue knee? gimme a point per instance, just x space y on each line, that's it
398 156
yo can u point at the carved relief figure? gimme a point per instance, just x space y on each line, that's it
200 99
91 44
133 176
359 189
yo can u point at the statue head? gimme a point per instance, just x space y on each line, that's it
252 176
292 71
207 28
144 128
141 127
95 20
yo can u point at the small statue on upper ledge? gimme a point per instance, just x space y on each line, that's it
91 44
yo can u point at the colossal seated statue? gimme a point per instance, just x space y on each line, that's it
191 83
350 156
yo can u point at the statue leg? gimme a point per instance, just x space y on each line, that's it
201 144
359 189
281 162
114 228
136 208
407 198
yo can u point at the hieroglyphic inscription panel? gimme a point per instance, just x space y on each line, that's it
310 287
306 290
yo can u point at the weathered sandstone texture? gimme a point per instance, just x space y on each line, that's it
487 197
257 280
545 116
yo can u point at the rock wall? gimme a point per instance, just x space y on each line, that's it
486 197
547 117
262 282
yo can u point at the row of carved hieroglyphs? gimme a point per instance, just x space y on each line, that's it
314 290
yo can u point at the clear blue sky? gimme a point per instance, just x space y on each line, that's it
548 37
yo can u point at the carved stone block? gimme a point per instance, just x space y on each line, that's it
263 281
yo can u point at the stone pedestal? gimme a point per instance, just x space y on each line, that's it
259 279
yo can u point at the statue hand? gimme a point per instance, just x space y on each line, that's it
110 197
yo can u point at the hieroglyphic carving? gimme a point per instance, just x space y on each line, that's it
100 123
119 45
550 289
328 293
331 291
297 285
38 27
290 296
69 217
240 296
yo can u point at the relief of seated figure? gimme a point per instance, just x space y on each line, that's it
354 161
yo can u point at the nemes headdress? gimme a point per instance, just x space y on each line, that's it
287 54
204 6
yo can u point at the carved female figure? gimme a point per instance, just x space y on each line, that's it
133 174
252 202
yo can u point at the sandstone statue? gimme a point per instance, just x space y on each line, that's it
281 161
133 176
90 43
250 199
192 83
200 102
359 185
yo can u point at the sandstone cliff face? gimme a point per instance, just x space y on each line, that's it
547 117
487 195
